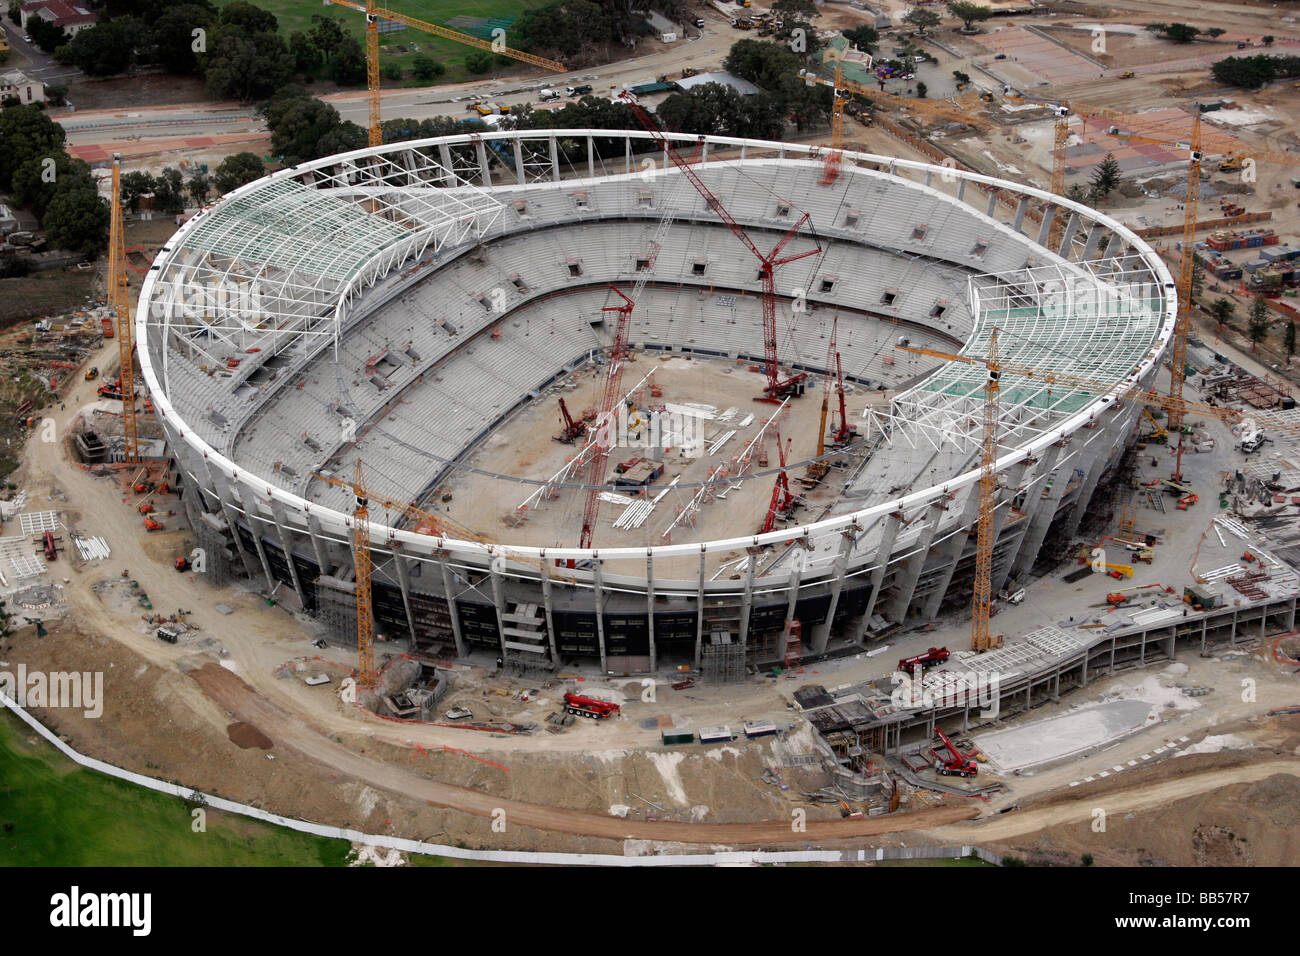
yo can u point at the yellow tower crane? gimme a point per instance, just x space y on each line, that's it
982 605
119 299
375 13
366 677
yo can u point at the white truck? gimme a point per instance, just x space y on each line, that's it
546 95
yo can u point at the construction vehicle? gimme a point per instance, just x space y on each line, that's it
1127 75
50 546
935 655
1145 555
784 502
152 524
955 763
1116 570
581 706
181 564
1158 435
1187 501
106 326
573 428
92 373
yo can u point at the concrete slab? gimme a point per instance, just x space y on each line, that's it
1059 737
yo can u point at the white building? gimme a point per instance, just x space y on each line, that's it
72 15
18 84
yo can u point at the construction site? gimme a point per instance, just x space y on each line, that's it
654 485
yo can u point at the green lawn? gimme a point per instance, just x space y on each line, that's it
295 15
54 813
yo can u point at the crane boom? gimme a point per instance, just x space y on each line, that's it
982 604
121 303
366 678
610 397
776 388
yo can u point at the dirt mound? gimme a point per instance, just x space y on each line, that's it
1247 824
247 736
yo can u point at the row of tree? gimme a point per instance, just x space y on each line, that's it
1252 72
38 174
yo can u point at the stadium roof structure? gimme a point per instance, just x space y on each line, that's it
284 265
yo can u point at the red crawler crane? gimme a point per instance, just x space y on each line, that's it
777 388
783 501
605 418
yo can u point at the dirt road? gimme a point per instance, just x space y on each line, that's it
230 693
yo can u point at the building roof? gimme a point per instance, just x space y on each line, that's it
743 87
16 78
60 12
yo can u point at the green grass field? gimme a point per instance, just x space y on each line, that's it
295 15
54 813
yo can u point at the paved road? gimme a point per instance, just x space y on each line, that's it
41 66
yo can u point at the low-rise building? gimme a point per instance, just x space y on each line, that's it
22 87
72 15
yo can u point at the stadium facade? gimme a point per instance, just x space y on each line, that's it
338 309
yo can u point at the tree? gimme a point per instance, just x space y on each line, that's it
392 71
169 191
1076 192
1289 340
303 128
199 186
1248 72
248 18
1268 40
1178 32
795 9
6 619
1105 177
1198 281
246 67
348 64
27 133
969 13
106 48
56 94
134 186
963 79
922 19
236 170
426 68
77 220
36 182
46 35
16 12
567 28
173 36
326 35
307 56
1223 311
1258 327
863 37
480 61
921 90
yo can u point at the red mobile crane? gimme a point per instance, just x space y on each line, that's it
935 655
844 432
589 707
777 388
574 428
956 763
783 501
605 418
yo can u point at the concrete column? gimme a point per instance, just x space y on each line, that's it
224 489
251 513
547 607
961 190
598 595
453 611
495 569
823 635
1044 508
993 203
650 608
484 173
519 163
402 563
591 158
1045 227
699 613
798 563
444 156
286 545
1067 237
916 562
893 522
1090 243
953 546
555 160
1091 477
318 545
747 598
1021 208
1015 481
